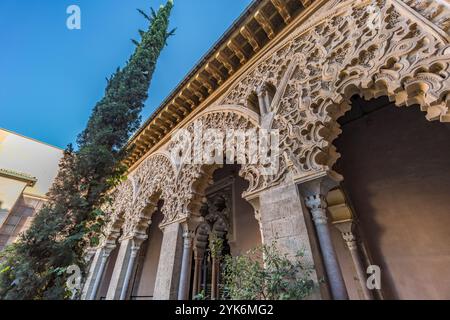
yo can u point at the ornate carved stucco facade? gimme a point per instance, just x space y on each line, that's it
292 66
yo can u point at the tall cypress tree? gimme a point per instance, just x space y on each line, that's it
35 266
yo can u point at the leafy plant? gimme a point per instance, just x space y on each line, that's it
265 274
215 245
200 296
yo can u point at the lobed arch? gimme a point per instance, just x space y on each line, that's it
371 48
136 199
117 210
193 179
343 50
181 188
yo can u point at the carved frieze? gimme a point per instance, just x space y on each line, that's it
395 48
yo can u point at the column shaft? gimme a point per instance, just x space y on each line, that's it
197 276
98 277
169 267
93 269
119 272
317 206
214 278
353 248
129 272
183 289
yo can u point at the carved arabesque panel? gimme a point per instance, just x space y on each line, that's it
193 179
117 210
371 48
153 180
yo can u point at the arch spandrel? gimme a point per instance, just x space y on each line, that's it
370 48
379 48
193 179
137 198
117 209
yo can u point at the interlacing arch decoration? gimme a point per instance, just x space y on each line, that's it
117 210
154 180
393 48
182 188
371 48
138 196
193 179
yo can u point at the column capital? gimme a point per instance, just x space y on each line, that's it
319 186
90 253
189 226
134 253
346 229
316 202
135 246
350 240
317 205
107 248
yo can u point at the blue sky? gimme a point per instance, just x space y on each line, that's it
51 77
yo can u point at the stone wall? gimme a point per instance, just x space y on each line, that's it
394 164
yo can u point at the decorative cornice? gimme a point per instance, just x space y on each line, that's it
30 180
261 21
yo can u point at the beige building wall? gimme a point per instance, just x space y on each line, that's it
27 170
10 191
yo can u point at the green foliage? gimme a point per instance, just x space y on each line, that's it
200 296
34 267
265 274
215 245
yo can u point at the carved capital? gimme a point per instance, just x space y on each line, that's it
189 226
346 228
320 185
350 240
199 253
317 205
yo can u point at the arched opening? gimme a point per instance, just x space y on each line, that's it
143 283
229 218
395 168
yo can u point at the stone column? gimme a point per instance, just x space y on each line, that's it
92 257
204 274
214 278
120 268
98 266
186 262
198 259
282 222
135 246
346 229
106 252
315 193
169 268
